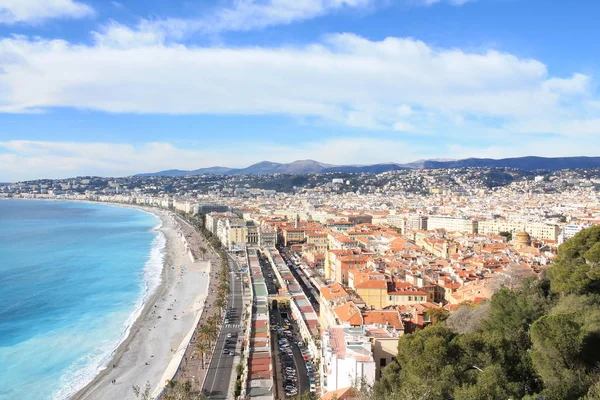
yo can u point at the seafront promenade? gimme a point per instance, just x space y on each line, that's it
191 368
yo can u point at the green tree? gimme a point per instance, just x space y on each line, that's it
209 333
556 353
491 384
576 268
202 348
221 304
507 235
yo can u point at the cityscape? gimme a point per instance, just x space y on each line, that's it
299 200
335 268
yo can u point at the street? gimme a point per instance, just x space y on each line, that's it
221 368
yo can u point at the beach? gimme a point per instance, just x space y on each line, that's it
158 339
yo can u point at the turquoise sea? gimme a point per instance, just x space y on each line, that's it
73 279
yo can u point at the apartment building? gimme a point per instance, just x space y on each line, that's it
452 224
415 223
536 231
347 358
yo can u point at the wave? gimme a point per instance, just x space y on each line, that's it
77 376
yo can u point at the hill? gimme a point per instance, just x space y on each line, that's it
311 166
526 163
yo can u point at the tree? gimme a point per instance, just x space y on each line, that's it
144 395
202 348
221 304
491 384
209 333
557 345
176 390
507 235
576 269
468 318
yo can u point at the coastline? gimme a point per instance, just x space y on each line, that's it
159 333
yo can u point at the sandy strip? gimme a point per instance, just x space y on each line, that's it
157 339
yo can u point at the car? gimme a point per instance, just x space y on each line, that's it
225 350
229 335
231 353
290 387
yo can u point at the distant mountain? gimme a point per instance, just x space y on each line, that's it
525 163
263 167
310 166
179 172
296 167
366 169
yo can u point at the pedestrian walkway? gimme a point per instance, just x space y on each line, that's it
191 368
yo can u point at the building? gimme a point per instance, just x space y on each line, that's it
452 224
569 231
415 223
536 231
207 208
267 236
347 358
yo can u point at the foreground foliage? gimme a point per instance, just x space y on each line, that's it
539 341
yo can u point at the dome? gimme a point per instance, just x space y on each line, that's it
523 237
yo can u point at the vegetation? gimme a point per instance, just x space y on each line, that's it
173 391
540 340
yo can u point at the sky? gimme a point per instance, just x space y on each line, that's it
114 88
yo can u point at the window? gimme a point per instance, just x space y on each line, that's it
382 362
390 298
409 298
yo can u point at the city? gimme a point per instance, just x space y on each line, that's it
334 271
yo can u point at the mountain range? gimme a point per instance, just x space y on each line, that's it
311 166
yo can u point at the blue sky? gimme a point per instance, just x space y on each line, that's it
116 88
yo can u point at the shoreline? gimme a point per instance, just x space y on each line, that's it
157 340
126 355
130 370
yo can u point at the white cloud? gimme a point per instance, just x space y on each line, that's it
396 83
251 14
451 2
241 16
36 11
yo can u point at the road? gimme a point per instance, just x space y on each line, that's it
265 266
300 366
300 278
221 368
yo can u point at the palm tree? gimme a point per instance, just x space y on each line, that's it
202 348
209 333
220 303
213 320
224 286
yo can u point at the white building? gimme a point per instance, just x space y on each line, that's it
536 231
569 231
347 358
451 224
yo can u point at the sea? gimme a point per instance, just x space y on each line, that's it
73 279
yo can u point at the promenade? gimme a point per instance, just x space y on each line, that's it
191 368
